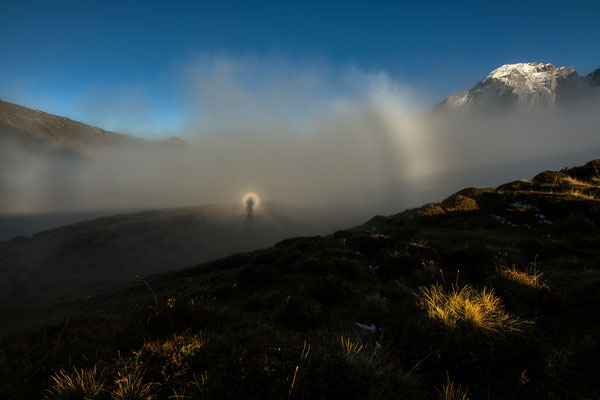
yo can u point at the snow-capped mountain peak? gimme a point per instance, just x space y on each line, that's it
521 84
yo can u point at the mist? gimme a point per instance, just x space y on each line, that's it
304 135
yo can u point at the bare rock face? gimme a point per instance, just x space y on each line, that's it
523 85
594 78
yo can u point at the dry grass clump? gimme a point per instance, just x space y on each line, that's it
580 194
81 384
349 347
577 183
468 306
530 277
380 236
452 392
130 386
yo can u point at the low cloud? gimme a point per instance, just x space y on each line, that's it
307 135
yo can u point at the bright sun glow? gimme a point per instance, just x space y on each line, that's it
253 196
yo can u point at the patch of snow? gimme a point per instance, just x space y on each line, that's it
542 219
529 81
370 327
503 220
517 204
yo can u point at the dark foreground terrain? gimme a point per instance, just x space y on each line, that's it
48 275
491 294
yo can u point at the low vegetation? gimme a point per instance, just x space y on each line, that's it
417 305
529 277
480 309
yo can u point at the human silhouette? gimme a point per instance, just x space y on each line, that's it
250 211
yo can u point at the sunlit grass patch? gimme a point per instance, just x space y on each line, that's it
422 244
379 236
581 194
349 347
530 277
81 384
130 386
452 392
431 209
577 183
177 349
164 361
481 309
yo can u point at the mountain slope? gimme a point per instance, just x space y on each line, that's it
492 293
523 85
34 129
87 258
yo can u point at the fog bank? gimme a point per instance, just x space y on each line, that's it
303 135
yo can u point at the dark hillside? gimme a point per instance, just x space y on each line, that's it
490 294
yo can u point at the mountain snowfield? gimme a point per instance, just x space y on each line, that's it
524 84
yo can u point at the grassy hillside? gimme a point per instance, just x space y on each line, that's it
490 294
43 276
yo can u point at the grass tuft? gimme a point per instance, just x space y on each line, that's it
81 384
452 392
530 277
349 347
130 386
467 306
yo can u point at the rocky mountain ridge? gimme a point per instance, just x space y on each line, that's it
526 85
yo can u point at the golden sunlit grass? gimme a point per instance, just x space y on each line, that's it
396 253
81 384
530 277
178 349
572 193
577 183
418 243
452 392
480 309
380 236
580 194
303 359
200 383
130 386
349 347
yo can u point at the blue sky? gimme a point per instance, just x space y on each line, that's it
84 59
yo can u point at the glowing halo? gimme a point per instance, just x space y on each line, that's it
253 196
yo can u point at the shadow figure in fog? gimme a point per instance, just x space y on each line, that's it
250 212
